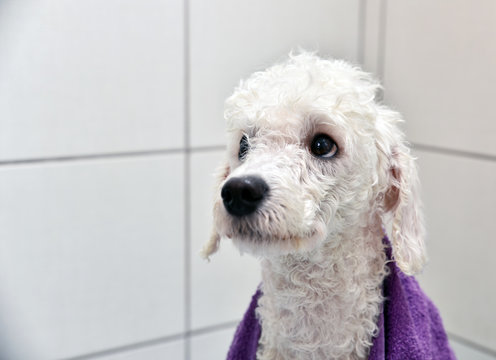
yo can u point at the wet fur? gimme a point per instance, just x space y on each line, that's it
319 232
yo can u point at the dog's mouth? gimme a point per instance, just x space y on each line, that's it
261 241
257 237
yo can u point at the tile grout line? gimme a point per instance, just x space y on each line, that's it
187 182
128 347
105 156
214 328
362 12
381 51
471 344
381 47
453 152
156 341
69 158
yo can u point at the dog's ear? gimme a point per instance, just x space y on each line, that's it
401 199
212 245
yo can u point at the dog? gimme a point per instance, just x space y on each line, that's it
316 170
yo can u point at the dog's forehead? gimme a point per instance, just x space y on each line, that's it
277 119
287 110
299 93
297 120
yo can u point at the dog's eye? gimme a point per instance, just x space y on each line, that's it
323 146
243 147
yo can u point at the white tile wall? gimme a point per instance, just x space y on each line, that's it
439 71
212 345
221 288
460 204
92 251
83 77
90 255
231 39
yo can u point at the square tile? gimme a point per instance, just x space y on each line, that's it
90 77
459 196
91 255
439 71
231 39
222 288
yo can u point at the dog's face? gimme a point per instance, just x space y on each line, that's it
310 156
293 179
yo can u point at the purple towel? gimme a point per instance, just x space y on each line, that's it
410 327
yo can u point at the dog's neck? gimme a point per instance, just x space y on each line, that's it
324 304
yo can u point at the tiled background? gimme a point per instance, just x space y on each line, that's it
111 126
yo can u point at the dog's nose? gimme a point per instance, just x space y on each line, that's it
243 195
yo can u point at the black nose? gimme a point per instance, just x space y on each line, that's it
243 195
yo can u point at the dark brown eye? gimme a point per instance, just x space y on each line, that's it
244 146
323 146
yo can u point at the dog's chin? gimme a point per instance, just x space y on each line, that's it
273 245
261 239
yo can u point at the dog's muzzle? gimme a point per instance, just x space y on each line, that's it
243 195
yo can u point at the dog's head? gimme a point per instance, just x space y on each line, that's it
312 155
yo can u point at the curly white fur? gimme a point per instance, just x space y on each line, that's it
319 231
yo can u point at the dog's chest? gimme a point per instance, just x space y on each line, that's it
314 312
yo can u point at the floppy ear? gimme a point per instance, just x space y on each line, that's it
402 201
212 245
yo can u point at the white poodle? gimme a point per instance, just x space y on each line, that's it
316 170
